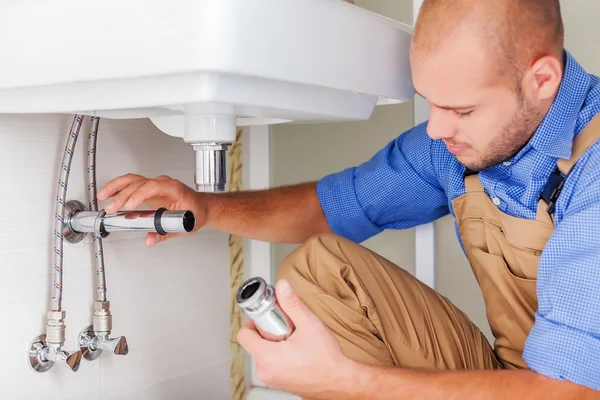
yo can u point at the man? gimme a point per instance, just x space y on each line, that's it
511 115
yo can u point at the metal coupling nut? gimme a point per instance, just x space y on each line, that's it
55 334
102 320
102 323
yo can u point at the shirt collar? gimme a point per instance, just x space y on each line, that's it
554 136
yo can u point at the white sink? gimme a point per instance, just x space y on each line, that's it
266 61
200 68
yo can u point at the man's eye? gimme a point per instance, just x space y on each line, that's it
463 114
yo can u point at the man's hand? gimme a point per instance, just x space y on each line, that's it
308 362
311 364
130 191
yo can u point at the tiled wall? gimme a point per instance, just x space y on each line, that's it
171 301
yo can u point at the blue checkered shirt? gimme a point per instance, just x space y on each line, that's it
413 180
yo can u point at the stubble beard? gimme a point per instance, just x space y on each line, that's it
515 135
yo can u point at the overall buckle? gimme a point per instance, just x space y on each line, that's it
552 189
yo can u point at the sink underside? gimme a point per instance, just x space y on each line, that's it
272 60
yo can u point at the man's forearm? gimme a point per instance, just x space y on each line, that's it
383 383
289 214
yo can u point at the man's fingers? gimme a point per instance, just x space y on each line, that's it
291 304
148 190
138 193
251 340
124 196
250 324
153 238
116 185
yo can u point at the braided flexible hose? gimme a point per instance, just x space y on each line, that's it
93 204
59 214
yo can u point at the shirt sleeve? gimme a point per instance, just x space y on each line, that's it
564 342
396 189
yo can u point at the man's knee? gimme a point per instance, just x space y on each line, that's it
306 258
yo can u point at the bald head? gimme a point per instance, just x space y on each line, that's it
512 33
490 71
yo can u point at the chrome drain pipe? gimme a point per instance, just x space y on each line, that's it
79 221
210 168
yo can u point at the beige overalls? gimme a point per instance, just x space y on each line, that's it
382 315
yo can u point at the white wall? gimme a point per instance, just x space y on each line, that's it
307 152
171 301
582 26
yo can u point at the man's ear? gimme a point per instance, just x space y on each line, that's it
543 78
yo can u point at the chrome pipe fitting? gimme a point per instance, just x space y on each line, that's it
258 300
92 343
43 356
46 349
95 339
210 169
161 221
79 221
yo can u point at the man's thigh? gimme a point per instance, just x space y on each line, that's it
379 312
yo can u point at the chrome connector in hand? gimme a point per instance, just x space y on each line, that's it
258 300
79 221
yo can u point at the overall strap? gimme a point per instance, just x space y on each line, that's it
586 138
472 183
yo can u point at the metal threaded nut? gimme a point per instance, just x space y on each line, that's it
56 315
102 306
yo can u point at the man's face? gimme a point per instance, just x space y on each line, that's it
482 120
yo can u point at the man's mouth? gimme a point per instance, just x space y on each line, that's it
457 148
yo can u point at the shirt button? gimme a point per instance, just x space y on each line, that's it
507 163
496 201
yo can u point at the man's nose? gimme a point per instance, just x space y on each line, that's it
440 124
